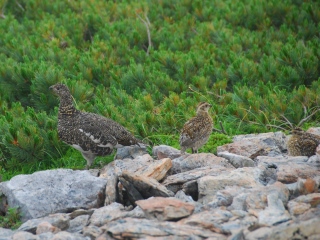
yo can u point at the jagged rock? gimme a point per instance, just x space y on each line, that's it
142 228
175 182
113 212
208 186
44 227
6 233
188 199
52 191
163 209
147 187
130 152
68 236
275 213
253 145
92 231
210 220
256 198
164 151
237 161
111 187
59 220
77 224
157 169
192 161
24 236
289 169
129 194
302 230
302 186
303 203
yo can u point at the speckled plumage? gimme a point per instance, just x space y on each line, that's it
93 135
196 132
302 143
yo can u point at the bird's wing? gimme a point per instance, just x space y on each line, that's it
93 127
193 131
107 130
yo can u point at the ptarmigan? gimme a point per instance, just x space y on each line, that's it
302 143
197 130
93 135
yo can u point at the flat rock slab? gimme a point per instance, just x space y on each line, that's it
157 170
208 186
192 161
253 145
164 151
163 209
210 220
302 230
236 160
53 191
111 213
303 203
290 169
176 181
131 228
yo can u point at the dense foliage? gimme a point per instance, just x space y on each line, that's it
256 62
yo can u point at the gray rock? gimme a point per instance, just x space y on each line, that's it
290 169
130 152
275 213
163 209
242 177
192 161
147 187
175 182
45 227
111 187
59 220
164 151
77 224
52 191
24 236
142 228
6 233
253 145
303 203
211 220
301 230
111 213
237 161
92 232
68 236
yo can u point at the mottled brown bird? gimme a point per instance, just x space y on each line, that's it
196 132
302 143
91 134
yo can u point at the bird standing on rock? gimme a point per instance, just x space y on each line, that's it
196 132
302 143
91 134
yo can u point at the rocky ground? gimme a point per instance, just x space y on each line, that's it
250 190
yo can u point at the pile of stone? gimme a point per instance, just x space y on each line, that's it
250 190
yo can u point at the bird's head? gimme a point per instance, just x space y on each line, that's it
60 89
203 107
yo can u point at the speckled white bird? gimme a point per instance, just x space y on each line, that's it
91 134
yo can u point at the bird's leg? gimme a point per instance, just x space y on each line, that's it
89 157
